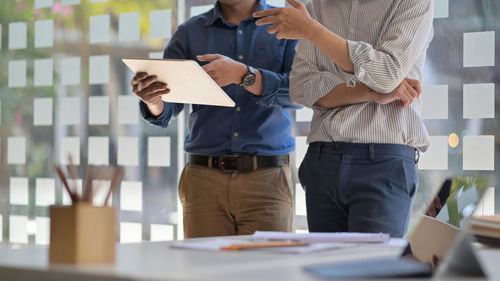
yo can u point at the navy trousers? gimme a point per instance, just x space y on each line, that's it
359 187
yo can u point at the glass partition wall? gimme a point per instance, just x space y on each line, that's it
64 90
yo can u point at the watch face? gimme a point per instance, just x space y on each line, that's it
249 80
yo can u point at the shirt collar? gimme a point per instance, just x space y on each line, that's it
216 13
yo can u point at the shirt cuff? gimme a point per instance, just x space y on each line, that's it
360 53
320 86
271 85
155 120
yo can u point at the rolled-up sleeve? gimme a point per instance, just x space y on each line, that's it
307 82
384 66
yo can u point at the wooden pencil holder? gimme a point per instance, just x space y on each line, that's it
82 234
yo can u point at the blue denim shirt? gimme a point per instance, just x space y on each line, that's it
257 125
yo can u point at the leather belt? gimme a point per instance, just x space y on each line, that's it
239 163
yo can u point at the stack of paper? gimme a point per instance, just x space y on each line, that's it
339 237
487 226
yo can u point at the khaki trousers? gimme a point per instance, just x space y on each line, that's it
217 203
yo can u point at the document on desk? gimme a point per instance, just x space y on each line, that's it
218 244
187 81
340 237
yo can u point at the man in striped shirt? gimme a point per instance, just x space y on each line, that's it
358 66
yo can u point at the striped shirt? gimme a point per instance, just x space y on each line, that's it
387 42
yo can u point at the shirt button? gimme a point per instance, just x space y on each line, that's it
238 108
236 134
240 31
240 57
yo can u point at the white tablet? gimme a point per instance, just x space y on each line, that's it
187 81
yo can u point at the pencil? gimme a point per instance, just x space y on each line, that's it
65 183
235 247
114 182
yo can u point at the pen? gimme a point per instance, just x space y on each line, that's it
235 247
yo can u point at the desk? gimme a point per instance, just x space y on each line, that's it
157 261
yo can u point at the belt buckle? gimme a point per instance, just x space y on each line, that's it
232 161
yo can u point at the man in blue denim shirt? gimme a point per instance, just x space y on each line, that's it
237 179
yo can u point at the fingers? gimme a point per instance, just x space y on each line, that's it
415 84
267 13
209 67
266 20
154 87
148 81
295 3
151 96
138 77
272 29
209 57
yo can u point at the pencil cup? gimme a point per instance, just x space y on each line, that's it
82 234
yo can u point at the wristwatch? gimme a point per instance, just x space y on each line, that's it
249 78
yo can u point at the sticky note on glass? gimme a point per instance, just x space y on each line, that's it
160 24
300 200
162 232
70 111
43 3
45 192
18 230
130 232
479 49
16 150
70 2
99 110
128 27
479 153
436 157
42 236
17 74
18 191
435 102
479 100
44 72
159 151
128 110
198 10
128 151
42 112
18 34
44 33
99 29
131 196
70 71
98 151
441 9
98 70
70 146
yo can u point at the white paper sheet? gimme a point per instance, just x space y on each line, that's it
18 229
323 237
441 9
187 81
70 146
